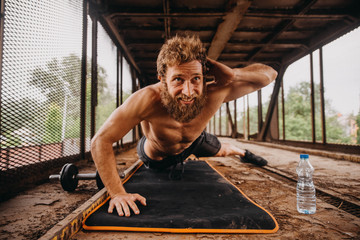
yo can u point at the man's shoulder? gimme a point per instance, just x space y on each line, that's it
142 103
146 98
149 102
151 91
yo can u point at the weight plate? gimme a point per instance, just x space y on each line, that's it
67 177
99 183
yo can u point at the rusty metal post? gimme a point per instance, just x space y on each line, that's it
94 74
322 98
312 98
272 104
118 55
214 125
235 118
121 88
248 117
2 12
283 109
220 120
83 82
260 119
244 122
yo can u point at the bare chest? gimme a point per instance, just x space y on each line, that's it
171 132
166 136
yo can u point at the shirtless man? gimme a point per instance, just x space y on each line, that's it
173 115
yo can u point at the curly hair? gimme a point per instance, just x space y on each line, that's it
181 49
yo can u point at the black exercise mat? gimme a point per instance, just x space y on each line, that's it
202 201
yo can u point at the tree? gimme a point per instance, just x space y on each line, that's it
298 113
17 114
59 81
298 116
53 124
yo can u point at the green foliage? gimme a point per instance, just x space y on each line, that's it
253 120
126 94
12 140
72 129
53 124
335 131
57 79
298 113
298 117
103 112
17 114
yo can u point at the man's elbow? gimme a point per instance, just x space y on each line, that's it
96 144
93 143
99 148
273 74
100 143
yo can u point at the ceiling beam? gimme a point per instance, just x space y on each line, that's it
166 6
283 26
121 42
241 62
168 15
278 44
124 27
227 28
251 14
295 16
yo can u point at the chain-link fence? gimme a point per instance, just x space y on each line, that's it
40 97
40 85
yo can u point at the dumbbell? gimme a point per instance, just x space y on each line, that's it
69 177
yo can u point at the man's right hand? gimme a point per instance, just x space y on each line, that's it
122 202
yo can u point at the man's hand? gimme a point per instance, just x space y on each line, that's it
122 202
222 73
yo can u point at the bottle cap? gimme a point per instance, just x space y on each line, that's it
304 155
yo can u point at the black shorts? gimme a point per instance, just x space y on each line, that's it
206 145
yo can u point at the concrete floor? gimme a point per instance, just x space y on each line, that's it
33 212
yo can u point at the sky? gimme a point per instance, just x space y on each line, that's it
107 59
341 72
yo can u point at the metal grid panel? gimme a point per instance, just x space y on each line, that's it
107 54
88 86
126 92
40 84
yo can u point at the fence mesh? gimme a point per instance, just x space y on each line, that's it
40 84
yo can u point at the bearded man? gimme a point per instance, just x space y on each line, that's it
173 115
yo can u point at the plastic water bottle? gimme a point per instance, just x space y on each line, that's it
305 189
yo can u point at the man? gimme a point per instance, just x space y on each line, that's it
173 115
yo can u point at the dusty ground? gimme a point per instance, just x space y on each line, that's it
32 213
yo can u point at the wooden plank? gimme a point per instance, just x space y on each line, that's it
227 28
69 226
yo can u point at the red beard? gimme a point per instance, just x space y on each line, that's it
182 112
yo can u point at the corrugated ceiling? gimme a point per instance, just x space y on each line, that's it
237 33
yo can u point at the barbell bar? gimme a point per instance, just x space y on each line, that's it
69 176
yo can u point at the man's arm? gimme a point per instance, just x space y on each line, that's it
120 122
241 81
